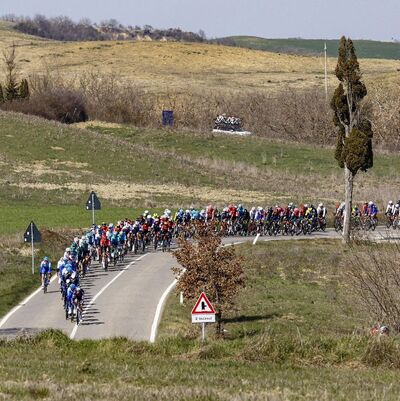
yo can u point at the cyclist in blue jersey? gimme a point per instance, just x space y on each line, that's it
45 270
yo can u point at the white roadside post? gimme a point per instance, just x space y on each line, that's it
93 219
33 250
203 312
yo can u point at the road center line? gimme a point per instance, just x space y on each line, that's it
93 300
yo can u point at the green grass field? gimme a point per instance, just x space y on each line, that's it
291 337
132 169
16 278
365 48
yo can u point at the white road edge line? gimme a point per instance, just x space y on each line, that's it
157 316
159 309
256 239
93 300
23 303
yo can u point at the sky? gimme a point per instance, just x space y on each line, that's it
325 19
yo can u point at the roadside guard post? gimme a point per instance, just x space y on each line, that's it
203 312
168 118
32 235
93 203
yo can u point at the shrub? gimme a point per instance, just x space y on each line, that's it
63 105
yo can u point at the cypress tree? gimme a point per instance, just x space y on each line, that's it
23 90
11 91
354 141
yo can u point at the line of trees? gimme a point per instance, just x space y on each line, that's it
65 29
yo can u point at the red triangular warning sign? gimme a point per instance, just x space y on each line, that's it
203 306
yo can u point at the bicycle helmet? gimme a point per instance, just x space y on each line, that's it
321 205
46 259
390 202
370 203
384 330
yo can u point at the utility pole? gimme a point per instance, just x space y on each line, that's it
326 74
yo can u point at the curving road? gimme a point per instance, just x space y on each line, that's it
124 301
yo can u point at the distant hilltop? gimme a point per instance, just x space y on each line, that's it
64 29
314 47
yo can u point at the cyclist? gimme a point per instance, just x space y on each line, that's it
45 271
104 245
396 210
77 299
60 265
364 210
390 209
321 211
372 210
210 213
122 243
69 297
241 211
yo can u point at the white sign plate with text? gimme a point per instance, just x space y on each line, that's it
203 318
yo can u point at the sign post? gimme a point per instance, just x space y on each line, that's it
32 235
203 312
93 203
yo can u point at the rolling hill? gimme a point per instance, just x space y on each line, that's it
365 48
160 67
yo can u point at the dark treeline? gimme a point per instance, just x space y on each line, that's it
65 29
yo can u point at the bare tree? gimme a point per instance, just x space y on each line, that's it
209 267
372 275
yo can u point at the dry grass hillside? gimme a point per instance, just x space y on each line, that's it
161 66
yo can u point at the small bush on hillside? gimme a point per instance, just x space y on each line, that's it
372 276
63 105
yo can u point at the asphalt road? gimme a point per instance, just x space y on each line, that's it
124 301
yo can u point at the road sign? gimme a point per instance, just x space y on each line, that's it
32 235
93 203
203 311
